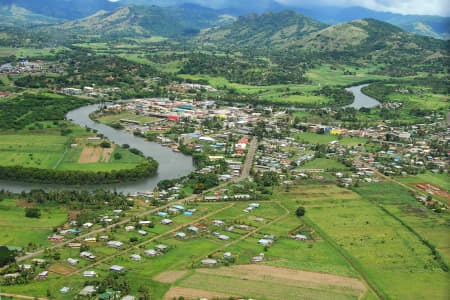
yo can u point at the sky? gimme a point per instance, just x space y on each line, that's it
419 7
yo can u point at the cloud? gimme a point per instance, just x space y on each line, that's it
419 7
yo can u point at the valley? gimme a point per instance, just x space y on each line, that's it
155 150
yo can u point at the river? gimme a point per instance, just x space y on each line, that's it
361 100
171 164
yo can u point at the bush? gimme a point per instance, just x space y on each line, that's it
117 156
300 212
32 212
105 144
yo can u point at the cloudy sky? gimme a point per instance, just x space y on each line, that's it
420 7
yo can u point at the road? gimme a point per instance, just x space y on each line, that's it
137 246
245 174
249 161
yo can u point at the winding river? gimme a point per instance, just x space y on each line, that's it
171 164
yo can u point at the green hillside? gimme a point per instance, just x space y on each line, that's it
281 29
144 21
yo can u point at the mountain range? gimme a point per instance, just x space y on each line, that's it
12 12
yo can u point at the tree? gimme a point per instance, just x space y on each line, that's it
300 212
6 256
105 144
32 212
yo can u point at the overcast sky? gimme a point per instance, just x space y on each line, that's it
420 7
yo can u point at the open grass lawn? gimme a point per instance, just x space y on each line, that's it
115 118
324 163
17 230
393 258
309 137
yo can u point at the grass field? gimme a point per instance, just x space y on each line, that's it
440 180
324 163
368 234
47 149
314 138
324 75
116 117
14 231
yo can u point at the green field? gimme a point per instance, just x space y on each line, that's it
16 230
47 149
367 234
323 163
314 138
325 75
116 117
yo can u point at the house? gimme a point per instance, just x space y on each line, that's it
227 255
116 268
300 237
166 222
161 247
74 245
87 225
90 240
209 262
145 223
192 229
64 290
86 254
265 242
142 232
180 235
72 261
43 274
223 237
258 258
135 257
87 290
129 298
218 223
255 205
129 228
114 244
150 252
89 274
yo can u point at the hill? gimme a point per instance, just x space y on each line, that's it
62 9
144 21
368 35
13 15
269 29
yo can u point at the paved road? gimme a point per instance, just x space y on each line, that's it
249 161
245 174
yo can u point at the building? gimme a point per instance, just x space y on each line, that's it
116 268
